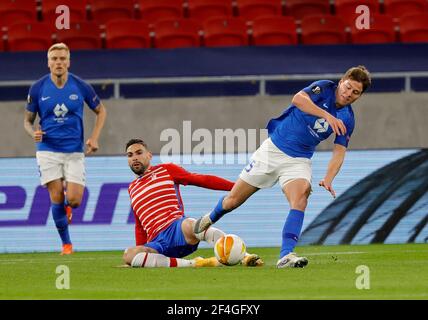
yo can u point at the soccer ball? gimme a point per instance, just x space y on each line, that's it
229 249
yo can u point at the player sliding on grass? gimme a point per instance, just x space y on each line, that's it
315 113
163 234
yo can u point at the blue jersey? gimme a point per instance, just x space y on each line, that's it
61 112
297 133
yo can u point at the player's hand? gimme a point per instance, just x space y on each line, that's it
91 146
38 134
328 187
337 125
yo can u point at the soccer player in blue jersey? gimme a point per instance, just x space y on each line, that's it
316 112
58 99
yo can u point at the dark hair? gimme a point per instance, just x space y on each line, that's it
135 141
359 74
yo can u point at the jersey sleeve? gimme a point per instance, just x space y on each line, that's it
344 139
182 176
140 234
318 90
33 98
89 94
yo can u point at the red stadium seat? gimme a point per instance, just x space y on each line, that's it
225 32
399 8
177 33
16 11
251 9
323 30
154 11
77 9
304 8
127 33
104 10
2 46
274 30
345 9
205 9
81 35
29 36
382 30
414 28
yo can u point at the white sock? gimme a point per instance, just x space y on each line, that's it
156 260
212 235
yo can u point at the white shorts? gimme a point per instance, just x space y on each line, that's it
269 164
58 165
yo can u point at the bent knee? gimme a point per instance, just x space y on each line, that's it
74 202
128 255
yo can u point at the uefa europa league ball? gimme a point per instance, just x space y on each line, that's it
229 249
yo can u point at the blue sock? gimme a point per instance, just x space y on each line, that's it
291 231
61 223
218 211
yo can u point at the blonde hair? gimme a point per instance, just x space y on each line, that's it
59 46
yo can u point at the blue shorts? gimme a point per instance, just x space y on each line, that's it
171 243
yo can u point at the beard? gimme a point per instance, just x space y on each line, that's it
139 169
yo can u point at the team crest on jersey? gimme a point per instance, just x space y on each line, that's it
73 96
321 125
316 89
153 176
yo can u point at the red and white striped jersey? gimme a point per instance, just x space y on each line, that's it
156 200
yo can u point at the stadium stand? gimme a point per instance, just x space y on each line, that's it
251 9
323 29
81 35
77 9
104 10
29 36
400 8
414 28
274 30
224 32
127 33
204 9
154 11
17 11
177 33
303 8
345 9
382 30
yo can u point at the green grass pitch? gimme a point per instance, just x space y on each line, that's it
395 272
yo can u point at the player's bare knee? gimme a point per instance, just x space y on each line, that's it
128 255
73 202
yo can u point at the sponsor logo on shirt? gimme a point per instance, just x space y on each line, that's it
321 125
45 98
60 111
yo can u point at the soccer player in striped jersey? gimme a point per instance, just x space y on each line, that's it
163 234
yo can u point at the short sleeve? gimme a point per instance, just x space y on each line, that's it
319 90
33 98
90 96
344 139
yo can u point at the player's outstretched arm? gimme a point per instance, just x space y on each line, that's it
302 101
333 168
92 142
